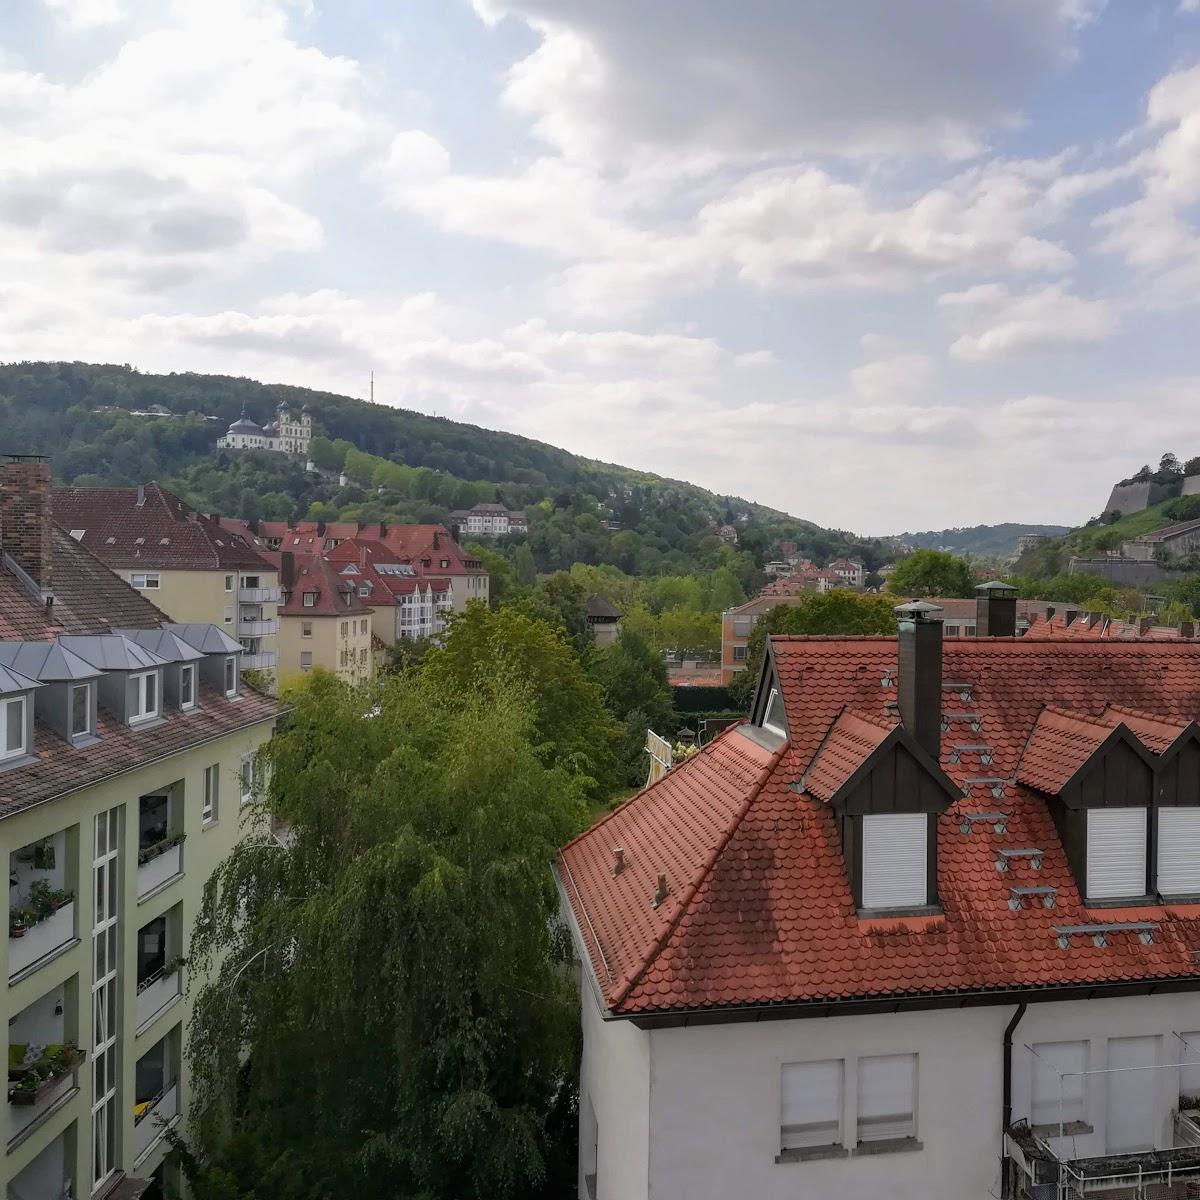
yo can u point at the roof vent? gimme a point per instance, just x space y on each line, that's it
618 860
661 892
141 496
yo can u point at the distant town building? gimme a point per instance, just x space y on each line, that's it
1030 541
323 621
848 572
289 433
727 533
1170 542
603 620
488 520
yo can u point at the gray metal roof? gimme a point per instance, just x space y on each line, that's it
207 638
47 662
164 643
996 585
918 610
112 652
14 681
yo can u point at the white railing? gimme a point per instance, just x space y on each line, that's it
152 1124
260 595
265 660
257 627
154 996
41 939
159 869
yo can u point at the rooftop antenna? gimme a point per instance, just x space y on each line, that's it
372 387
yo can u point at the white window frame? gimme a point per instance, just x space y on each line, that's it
145 713
187 697
767 723
86 689
306 629
1128 879
308 600
883 1080
145 581
246 778
22 748
306 665
740 653
231 689
229 581
797 1084
105 995
228 614
210 807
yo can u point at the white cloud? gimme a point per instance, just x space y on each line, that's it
995 323
896 380
611 79
79 16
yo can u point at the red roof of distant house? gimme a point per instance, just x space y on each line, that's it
370 560
149 528
332 595
760 910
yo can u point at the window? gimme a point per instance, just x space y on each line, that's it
310 599
895 849
773 718
229 582
246 776
362 625
887 1097
1116 853
1059 1087
212 787
306 660
739 653
231 676
144 582
362 658
142 696
344 630
1179 851
811 1105
306 629
229 614
951 630
14 731
252 581
187 686
81 710
364 589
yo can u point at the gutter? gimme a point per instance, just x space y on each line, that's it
1006 1188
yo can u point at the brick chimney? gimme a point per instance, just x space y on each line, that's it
287 570
25 516
919 675
995 610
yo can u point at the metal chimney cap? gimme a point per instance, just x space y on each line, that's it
918 610
996 587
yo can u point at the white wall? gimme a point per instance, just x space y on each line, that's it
614 1089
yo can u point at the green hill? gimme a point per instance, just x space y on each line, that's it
986 541
403 466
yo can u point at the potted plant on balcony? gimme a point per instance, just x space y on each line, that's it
19 920
149 853
45 901
29 1082
1189 1106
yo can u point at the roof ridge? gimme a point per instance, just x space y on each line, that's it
634 977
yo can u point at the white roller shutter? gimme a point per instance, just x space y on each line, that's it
1116 852
1132 1095
811 1104
895 850
887 1094
1179 851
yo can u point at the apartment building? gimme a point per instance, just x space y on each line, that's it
323 623
187 563
925 927
488 520
403 604
126 751
737 624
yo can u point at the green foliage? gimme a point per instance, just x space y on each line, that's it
502 574
1185 508
932 573
835 612
571 726
393 974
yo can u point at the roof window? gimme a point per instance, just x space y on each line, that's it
773 717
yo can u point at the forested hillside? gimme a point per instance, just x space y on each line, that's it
402 466
986 541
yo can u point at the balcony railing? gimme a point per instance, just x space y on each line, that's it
156 992
157 864
260 595
154 1120
264 660
40 940
256 627
37 1089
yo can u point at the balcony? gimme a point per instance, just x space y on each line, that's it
159 836
157 1115
260 595
42 1065
264 660
41 910
46 1177
1040 1174
31 942
257 627
159 863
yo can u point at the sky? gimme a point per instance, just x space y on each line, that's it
884 264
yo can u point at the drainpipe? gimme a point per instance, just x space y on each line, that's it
1006 1187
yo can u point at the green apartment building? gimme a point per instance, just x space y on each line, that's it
126 745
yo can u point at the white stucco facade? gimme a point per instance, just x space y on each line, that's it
693 1113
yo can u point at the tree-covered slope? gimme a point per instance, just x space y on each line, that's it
987 541
402 466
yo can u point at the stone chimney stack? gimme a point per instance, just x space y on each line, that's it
919 676
25 517
995 610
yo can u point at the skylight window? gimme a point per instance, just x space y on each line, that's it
773 719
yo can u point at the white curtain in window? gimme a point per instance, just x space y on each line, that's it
811 1104
1116 852
887 1094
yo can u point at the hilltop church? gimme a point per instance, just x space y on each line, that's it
289 433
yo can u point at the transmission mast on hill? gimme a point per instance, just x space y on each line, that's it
372 387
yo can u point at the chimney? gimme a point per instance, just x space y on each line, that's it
1144 625
141 499
287 569
25 517
919 681
995 610
437 540
1187 629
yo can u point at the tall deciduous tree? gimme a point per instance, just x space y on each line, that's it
389 1015
931 573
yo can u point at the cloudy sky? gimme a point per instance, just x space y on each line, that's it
886 264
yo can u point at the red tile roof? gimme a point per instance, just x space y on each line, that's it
1060 744
852 739
332 596
761 911
366 556
1153 732
151 528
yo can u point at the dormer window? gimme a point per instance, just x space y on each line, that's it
310 599
1116 853
81 710
13 729
231 676
895 861
773 719
143 697
1179 851
187 686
